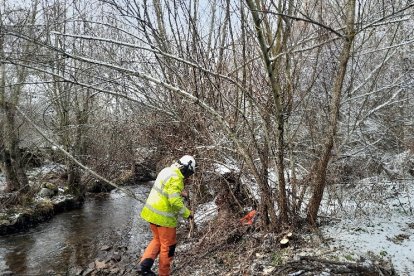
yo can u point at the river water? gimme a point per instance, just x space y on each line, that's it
73 239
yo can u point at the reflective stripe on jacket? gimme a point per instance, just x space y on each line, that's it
164 203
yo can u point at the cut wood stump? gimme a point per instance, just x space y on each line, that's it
284 242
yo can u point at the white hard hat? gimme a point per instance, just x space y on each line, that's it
187 165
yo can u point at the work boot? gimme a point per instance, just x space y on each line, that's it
145 271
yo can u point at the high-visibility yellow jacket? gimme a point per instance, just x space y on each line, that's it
164 203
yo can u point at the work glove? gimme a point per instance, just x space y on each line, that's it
184 194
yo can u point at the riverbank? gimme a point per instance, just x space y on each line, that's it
377 241
20 218
48 196
243 251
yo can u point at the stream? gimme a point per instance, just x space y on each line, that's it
73 239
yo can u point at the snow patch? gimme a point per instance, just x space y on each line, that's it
373 217
225 169
390 236
2 182
45 169
205 212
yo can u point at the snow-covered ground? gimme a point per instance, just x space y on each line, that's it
35 173
2 182
205 212
374 218
370 217
390 236
45 169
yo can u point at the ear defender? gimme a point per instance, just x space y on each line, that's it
188 169
187 165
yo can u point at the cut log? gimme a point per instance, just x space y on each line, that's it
284 242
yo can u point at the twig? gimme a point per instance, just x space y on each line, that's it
190 232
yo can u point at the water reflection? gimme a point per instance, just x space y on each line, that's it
73 238
19 253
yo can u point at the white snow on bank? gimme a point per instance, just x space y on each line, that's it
370 217
374 218
45 169
36 172
2 182
389 236
205 212
225 168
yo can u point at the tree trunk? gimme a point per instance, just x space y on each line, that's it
16 179
79 147
264 36
319 172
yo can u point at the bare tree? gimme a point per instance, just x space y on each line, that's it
12 89
321 167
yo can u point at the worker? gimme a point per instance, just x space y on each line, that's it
163 207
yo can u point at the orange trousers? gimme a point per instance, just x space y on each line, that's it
163 244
